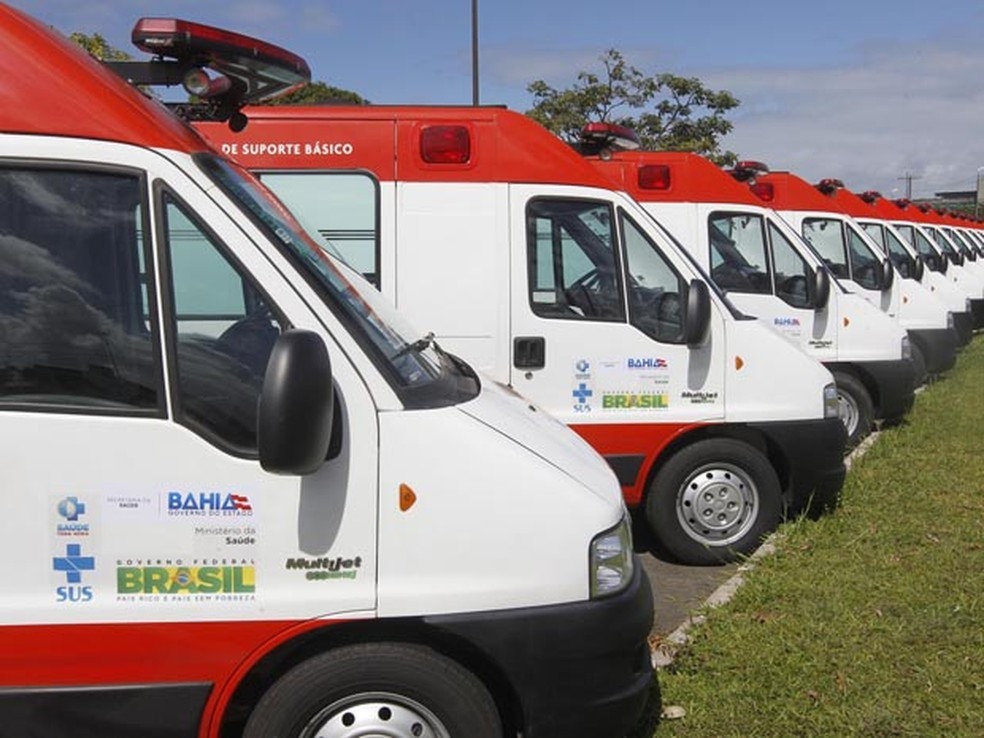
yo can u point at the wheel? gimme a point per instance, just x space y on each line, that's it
854 407
919 365
384 689
713 501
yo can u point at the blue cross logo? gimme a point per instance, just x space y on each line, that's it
73 563
70 508
582 393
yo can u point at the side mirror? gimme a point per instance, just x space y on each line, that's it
919 268
296 405
886 274
819 288
697 319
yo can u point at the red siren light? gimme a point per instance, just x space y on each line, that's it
654 177
764 191
829 186
870 196
445 144
747 169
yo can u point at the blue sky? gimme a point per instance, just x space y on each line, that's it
864 91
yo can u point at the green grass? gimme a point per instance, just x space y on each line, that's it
870 621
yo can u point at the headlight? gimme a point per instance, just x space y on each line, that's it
949 320
906 348
830 404
612 561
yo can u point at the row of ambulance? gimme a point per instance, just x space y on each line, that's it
246 498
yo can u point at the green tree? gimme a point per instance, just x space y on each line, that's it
666 111
319 93
98 47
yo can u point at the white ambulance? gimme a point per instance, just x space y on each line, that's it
909 221
240 499
910 264
496 236
767 271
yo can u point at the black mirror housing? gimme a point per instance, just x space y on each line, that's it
697 319
820 288
294 426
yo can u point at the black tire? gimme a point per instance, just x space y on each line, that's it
399 689
713 501
919 365
855 407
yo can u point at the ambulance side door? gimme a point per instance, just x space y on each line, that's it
597 317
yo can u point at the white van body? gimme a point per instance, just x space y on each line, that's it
228 469
496 236
767 271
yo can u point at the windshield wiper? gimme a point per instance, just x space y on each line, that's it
419 345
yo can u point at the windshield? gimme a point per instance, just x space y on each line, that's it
420 372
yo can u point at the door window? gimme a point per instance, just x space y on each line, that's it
738 252
825 236
791 270
655 289
573 269
223 330
73 332
864 264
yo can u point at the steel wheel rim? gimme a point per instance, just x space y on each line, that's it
847 409
718 504
375 715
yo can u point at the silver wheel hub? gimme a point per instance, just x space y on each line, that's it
376 715
718 504
847 409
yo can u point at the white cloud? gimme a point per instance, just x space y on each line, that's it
913 109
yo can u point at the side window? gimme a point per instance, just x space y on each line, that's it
223 332
864 262
573 272
899 255
792 271
738 252
924 247
825 236
72 327
339 210
655 289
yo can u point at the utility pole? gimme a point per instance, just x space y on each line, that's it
474 31
908 183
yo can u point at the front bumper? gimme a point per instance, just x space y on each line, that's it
977 312
893 385
963 324
939 347
580 670
813 453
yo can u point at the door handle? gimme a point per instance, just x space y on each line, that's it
529 352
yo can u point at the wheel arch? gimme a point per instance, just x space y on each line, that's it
236 709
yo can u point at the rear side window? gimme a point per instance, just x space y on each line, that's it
73 326
339 210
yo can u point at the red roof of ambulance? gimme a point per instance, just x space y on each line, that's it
505 146
795 193
50 86
887 210
692 178
852 204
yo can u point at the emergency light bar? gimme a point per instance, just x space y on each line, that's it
747 169
245 70
870 196
828 186
601 139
